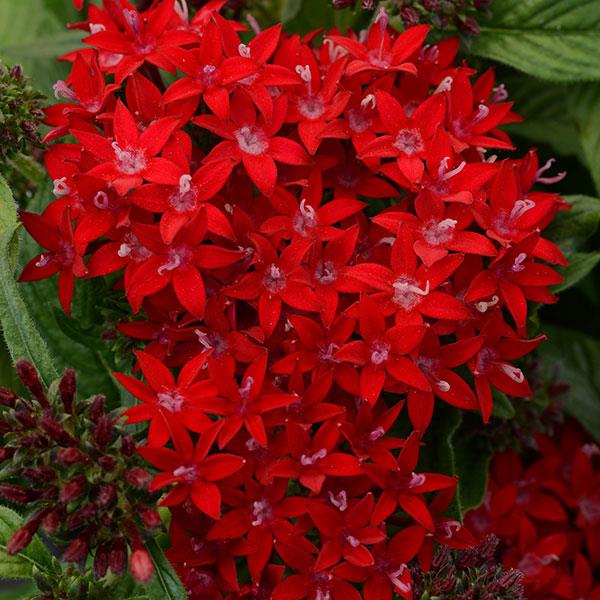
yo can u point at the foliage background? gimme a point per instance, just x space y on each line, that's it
546 52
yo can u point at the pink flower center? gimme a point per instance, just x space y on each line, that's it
379 352
176 257
189 473
251 140
132 248
340 501
305 218
437 233
184 198
308 460
407 294
274 279
171 401
129 161
208 75
409 141
262 511
325 272
311 107
327 353
358 120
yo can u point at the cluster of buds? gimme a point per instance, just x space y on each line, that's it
468 574
78 474
545 509
20 112
442 14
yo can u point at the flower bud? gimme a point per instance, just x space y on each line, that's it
29 378
14 493
151 518
76 550
141 565
66 389
19 541
39 474
51 522
138 478
107 463
410 16
56 431
7 397
101 562
107 496
117 557
71 456
97 409
103 433
128 446
6 454
73 489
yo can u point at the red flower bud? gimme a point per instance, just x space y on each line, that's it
71 456
138 478
66 389
73 489
107 463
39 474
6 453
128 445
141 565
117 557
7 397
107 496
28 375
19 541
104 431
97 408
151 518
101 562
56 431
51 522
76 550
14 493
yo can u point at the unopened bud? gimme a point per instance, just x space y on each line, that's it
141 565
56 431
76 550
7 397
66 389
151 518
117 557
410 16
107 496
97 409
17 494
73 489
138 478
71 456
107 463
128 446
51 522
19 541
29 378
39 474
103 433
101 562
6 453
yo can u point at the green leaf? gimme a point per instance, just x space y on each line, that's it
503 407
581 264
571 357
20 332
556 40
20 566
309 15
570 229
33 36
18 591
584 104
165 585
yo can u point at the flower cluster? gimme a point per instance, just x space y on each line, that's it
468 574
79 475
20 112
546 512
302 228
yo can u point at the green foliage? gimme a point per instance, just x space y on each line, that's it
573 358
21 565
556 40
166 584
33 34
20 332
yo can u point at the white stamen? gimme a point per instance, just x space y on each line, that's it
133 20
335 52
482 112
181 8
355 543
520 208
97 27
61 188
62 89
549 180
43 260
445 85
175 259
442 385
395 579
376 434
369 101
189 474
124 250
340 501
171 401
500 93
513 372
518 265
244 50
483 306
450 527
443 172
262 510
309 460
416 479
101 200
203 339
407 294
246 388
253 23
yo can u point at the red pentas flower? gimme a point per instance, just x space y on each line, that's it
311 237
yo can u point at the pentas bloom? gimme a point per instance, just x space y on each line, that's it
311 236
546 511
